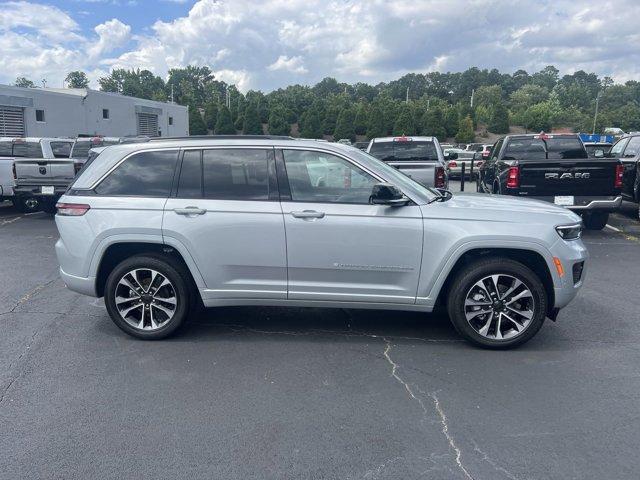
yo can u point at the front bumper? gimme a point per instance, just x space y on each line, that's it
572 254
608 203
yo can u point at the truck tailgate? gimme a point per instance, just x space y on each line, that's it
44 171
421 172
568 177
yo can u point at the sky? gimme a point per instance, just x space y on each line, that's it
274 43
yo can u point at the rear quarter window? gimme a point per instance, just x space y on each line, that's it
144 174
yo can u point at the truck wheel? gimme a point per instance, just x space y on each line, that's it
148 297
26 204
595 220
49 208
497 303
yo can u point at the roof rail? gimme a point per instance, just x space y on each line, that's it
223 137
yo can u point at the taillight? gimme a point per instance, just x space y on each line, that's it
513 177
72 209
478 163
452 164
619 176
439 178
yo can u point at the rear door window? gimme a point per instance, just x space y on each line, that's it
404 150
145 174
236 174
633 147
617 149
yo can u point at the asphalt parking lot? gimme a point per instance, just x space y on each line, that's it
272 393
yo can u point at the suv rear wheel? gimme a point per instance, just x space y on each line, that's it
148 297
497 303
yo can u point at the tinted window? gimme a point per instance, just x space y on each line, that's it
321 177
618 147
408 150
39 115
190 183
147 174
236 174
633 147
61 149
593 148
27 150
551 148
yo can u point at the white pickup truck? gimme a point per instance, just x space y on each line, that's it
34 172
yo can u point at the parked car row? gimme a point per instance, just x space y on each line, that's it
34 172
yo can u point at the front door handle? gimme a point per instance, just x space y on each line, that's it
308 214
190 211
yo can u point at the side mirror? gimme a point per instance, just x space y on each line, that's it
451 156
387 194
599 153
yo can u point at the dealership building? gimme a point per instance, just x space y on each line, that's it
69 112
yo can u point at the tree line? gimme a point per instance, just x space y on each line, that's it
445 105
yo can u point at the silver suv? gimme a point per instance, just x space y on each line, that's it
163 227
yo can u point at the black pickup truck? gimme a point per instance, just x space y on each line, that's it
557 169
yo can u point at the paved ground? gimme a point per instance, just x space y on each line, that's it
273 393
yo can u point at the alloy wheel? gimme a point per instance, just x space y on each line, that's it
145 299
499 307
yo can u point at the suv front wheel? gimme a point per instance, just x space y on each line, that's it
147 297
497 303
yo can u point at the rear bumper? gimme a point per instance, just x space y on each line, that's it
581 203
36 191
83 285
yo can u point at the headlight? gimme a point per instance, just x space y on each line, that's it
570 232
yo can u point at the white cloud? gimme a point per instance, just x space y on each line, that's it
278 42
293 64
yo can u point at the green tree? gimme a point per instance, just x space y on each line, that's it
196 123
433 123
224 124
311 124
499 119
330 119
77 79
537 117
134 83
465 130
210 115
451 120
24 82
528 95
360 120
404 124
375 124
252 124
278 124
190 84
344 125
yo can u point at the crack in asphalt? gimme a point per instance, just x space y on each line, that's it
394 373
491 462
27 296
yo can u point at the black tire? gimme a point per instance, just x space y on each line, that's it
475 272
49 208
26 204
172 271
595 220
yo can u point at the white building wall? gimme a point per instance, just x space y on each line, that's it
70 112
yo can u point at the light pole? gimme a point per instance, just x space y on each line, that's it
595 115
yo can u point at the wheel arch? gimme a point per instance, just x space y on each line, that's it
119 251
528 257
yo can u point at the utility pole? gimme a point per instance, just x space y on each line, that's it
172 93
473 92
595 116
407 100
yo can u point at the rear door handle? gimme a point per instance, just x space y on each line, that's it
190 211
308 214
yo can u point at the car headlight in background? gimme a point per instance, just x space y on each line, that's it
570 232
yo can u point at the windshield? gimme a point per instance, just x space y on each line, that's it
400 180
553 148
404 150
